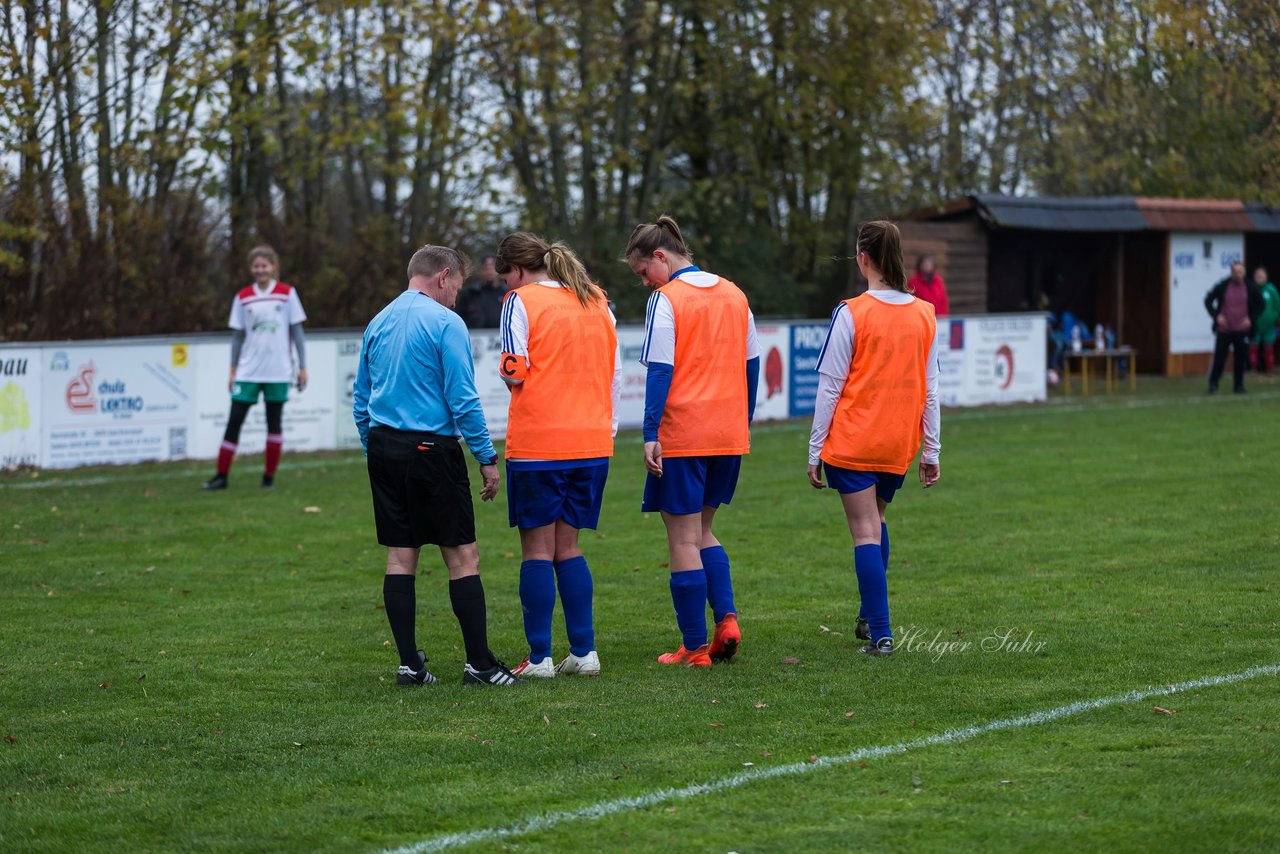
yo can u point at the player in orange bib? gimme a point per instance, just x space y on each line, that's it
703 362
561 360
877 401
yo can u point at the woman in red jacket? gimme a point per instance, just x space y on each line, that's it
927 285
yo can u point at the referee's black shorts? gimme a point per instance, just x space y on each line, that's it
421 492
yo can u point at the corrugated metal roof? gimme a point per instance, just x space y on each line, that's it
1061 213
1195 214
1263 217
1110 213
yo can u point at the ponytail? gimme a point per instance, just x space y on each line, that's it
530 252
663 234
567 269
881 240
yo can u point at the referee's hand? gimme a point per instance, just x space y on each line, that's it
489 491
929 474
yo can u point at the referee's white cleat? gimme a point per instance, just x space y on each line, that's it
583 665
497 675
543 669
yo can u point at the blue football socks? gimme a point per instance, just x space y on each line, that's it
689 594
715 562
873 590
884 554
538 600
573 577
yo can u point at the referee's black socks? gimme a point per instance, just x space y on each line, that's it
402 609
467 596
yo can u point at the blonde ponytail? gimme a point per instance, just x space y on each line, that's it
567 269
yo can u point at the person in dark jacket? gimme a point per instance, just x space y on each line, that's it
1234 304
480 303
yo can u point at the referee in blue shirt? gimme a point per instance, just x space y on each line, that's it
415 392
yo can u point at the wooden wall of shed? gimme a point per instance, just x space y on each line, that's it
959 250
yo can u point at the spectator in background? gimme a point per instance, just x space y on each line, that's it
480 303
1234 304
927 285
1264 336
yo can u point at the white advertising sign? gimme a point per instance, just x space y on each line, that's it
116 404
310 416
773 392
1197 262
346 363
992 359
21 372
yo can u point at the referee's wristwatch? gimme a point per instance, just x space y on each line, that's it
492 461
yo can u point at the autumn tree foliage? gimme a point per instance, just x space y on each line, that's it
146 144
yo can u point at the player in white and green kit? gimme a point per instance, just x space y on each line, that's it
266 323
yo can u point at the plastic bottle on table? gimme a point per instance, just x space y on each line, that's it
1077 340
1099 337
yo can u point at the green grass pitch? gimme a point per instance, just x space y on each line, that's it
182 670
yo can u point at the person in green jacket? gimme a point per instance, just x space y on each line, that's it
1264 336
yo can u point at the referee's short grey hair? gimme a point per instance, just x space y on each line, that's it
430 260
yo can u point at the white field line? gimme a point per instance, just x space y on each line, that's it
546 821
633 437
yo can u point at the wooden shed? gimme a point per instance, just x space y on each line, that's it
1141 266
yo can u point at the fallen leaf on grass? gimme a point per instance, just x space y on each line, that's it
762 705
848 714
546 720
717 726
824 628
813 760
791 660
747 764
149 569
113 790
311 509
1005 782
1161 710
142 677
297 744
12 739
104 684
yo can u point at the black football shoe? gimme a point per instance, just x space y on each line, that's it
882 647
498 675
862 631
420 676
218 481
268 481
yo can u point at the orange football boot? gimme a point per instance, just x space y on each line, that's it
689 658
727 637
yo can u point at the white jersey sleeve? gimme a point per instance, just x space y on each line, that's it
836 356
514 326
659 332
616 390
834 362
753 340
294 308
236 320
931 423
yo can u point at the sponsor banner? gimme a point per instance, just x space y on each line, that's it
951 362
1005 360
773 399
21 372
114 404
1197 262
981 360
634 375
806 343
347 361
310 416
486 350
